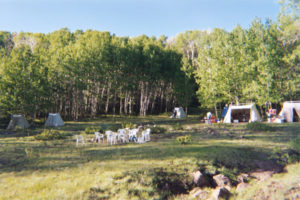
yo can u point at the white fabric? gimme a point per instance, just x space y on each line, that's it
179 113
254 114
54 120
287 110
18 121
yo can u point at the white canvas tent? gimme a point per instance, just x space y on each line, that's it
178 112
54 120
242 113
17 121
290 111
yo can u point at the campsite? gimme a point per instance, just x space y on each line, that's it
158 100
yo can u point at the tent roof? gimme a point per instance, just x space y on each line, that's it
245 106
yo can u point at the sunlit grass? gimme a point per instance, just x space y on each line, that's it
31 169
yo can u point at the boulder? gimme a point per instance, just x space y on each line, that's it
198 193
242 186
243 178
222 181
201 180
220 192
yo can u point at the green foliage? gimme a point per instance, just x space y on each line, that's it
92 66
184 139
50 135
128 125
285 156
158 130
258 126
177 126
93 129
295 144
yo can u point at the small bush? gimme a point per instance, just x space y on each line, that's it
184 139
177 126
50 135
257 126
285 156
158 130
128 125
93 129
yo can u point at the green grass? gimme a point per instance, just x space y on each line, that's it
31 169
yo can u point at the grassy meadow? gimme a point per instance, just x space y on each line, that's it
58 169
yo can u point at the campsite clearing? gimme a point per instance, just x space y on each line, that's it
57 169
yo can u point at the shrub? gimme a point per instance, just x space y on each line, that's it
158 130
50 135
285 156
92 130
177 126
184 139
128 125
257 126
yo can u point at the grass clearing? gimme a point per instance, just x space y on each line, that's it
57 169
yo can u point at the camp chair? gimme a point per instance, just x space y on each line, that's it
122 136
146 134
79 138
111 137
141 140
133 134
99 136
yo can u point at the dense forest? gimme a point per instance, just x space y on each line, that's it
86 73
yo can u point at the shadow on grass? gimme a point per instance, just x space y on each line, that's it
45 158
22 155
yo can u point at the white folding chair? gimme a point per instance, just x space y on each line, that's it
122 136
111 137
141 140
146 134
99 137
79 138
133 134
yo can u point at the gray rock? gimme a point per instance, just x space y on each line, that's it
221 192
198 193
222 181
201 180
243 178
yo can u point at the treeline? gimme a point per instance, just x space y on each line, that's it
83 74
258 64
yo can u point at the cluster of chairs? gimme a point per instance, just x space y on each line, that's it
121 136
127 135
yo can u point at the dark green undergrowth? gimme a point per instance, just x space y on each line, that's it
158 130
50 135
155 183
258 126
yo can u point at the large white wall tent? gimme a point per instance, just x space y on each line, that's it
290 111
242 113
178 113
17 121
54 119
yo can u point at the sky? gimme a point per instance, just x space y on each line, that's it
133 17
